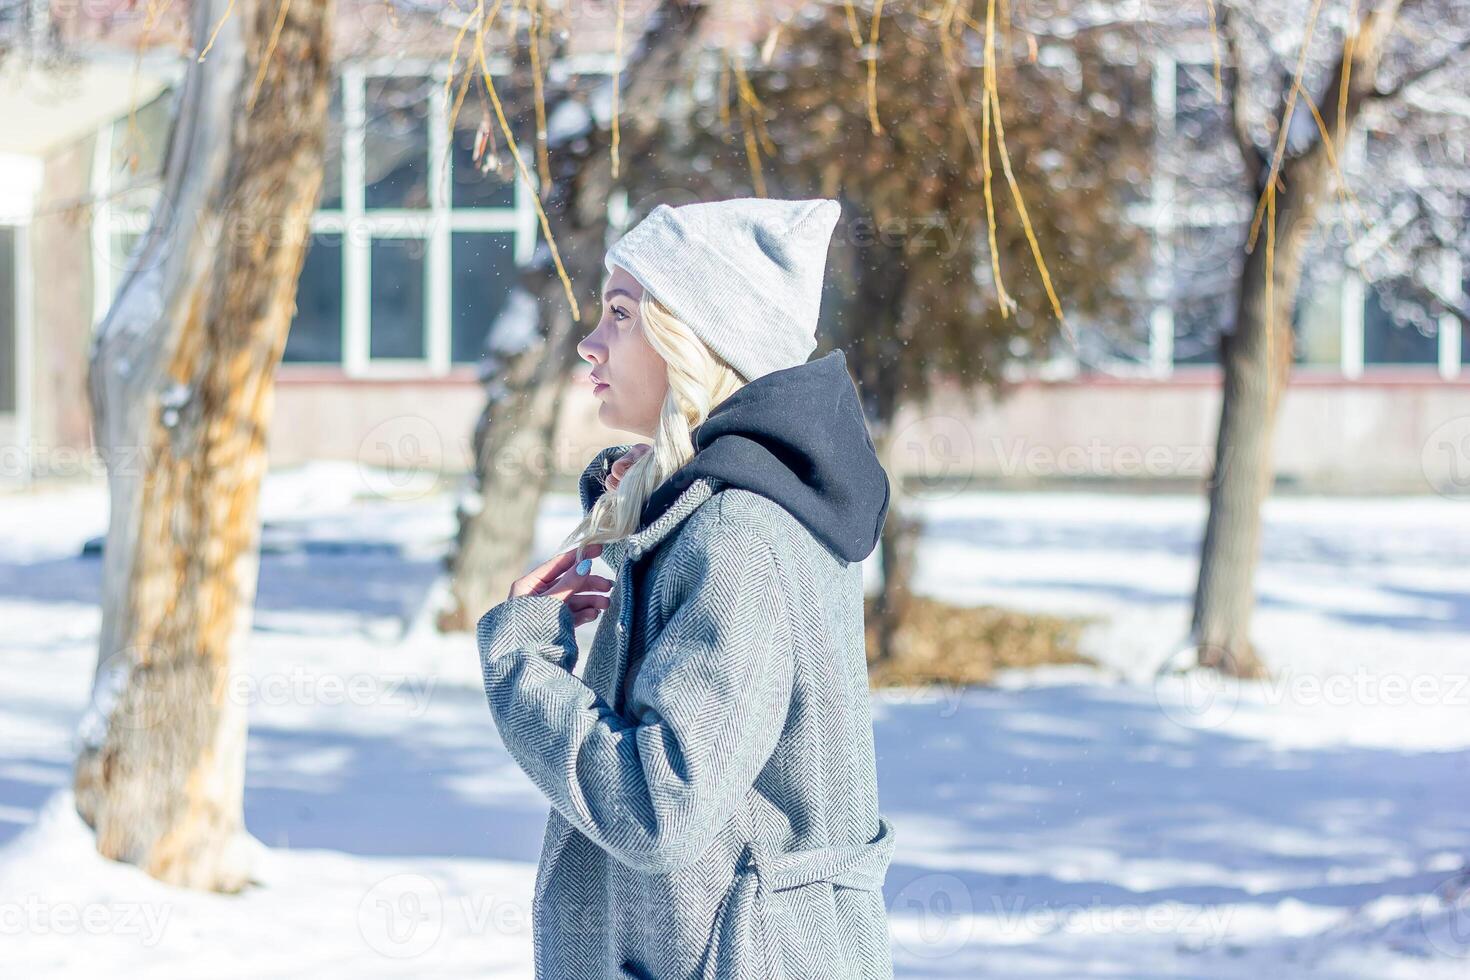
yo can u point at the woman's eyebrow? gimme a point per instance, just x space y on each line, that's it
607 296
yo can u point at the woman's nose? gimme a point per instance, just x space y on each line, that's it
589 349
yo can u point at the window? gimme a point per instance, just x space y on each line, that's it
316 333
1318 322
491 182
396 143
484 272
1201 117
1205 250
331 197
133 149
1200 319
1397 327
1465 326
397 299
1198 323
8 354
415 246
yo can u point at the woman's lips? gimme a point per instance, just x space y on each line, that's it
598 387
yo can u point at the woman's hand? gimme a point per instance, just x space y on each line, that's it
616 471
558 576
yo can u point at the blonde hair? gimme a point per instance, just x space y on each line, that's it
699 379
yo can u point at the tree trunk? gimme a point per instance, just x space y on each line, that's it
1257 364
181 383
1255 368
514 434
879 287
512 442
1256 358
899 544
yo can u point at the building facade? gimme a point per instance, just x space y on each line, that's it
414 250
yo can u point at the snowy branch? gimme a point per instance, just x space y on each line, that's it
1425 72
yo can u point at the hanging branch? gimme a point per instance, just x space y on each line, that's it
515 153
617 84
1285 127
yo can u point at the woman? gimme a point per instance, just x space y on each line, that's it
710 766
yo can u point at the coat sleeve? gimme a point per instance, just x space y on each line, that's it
589 484
715 682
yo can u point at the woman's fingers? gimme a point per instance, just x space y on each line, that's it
586 607
581 594
569 585
624 462
583 600
595 603
535 581
539 579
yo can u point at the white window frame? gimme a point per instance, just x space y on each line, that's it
1452 281
20 185
360 226
1162 215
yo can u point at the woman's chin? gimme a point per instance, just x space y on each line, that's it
609 417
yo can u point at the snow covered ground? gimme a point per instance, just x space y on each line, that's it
1066 823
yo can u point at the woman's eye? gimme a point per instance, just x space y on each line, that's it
619 314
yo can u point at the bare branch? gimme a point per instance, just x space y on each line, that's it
1365 53
1415 77
1250 154
1426 294
1242 17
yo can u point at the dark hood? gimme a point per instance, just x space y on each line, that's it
796 436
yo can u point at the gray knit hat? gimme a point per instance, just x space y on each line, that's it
774 252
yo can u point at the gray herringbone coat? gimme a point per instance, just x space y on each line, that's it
722 823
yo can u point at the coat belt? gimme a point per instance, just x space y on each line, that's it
742 948
851 866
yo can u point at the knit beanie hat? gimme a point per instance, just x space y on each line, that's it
745 274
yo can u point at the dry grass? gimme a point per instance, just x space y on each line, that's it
939 643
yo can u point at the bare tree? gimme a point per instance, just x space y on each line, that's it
1300 84
181 381
531 346
915 296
